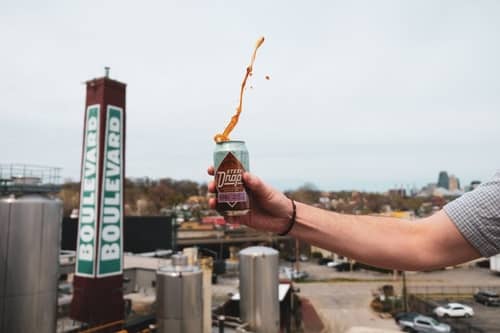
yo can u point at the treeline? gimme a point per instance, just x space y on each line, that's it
144 196
353 202
147 196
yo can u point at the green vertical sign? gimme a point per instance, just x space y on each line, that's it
110 239
88 195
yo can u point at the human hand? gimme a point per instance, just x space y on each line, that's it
270 210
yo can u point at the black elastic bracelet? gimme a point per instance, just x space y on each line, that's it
292 220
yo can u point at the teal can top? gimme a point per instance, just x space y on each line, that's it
236 147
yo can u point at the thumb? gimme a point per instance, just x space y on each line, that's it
256 185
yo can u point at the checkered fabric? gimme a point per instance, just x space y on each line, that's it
477 215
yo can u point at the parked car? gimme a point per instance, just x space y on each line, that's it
333 263
299 275
423 324
405 316
346 266
303 257
454 310
293 274
487 297
324 261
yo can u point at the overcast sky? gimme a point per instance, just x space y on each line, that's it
363 94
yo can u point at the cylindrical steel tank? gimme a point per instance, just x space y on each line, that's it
259 283
30 228
179 259
192 255
206 265
179 298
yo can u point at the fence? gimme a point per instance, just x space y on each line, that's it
29 178
443 292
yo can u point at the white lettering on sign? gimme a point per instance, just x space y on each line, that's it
114 140
113 184
86 252
111 233
110 249
110 252
114 125
85 265
92 139
111 215
87 215
89 200
113 160
115 200
113 169
86 233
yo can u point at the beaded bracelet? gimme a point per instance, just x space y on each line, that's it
292 220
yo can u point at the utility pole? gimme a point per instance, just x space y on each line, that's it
297 254
404 292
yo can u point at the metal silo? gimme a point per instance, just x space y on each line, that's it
179 259
29 259
259 283
179 298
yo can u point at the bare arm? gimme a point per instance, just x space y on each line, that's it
379 241
385 242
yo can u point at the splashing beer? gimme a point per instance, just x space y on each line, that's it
234 119
231 160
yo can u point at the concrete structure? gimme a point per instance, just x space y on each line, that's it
29 254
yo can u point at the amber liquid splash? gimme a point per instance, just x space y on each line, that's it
234 119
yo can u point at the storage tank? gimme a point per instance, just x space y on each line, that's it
179 298
192 255
29 260
179 259
206 265
259 283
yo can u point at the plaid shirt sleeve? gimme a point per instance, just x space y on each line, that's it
477 216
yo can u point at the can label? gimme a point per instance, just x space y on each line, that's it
232 198
230 181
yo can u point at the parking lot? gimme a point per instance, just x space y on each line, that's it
342 298
486 318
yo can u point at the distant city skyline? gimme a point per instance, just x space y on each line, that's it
362 95
406 186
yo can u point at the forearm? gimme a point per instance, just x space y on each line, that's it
377 241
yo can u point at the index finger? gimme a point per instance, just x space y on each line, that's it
211 170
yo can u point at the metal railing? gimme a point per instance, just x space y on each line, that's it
28 178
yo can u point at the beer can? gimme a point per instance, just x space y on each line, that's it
230 162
